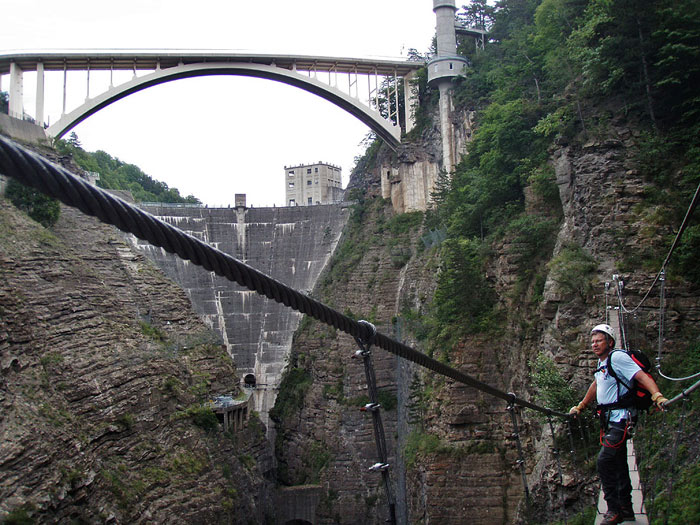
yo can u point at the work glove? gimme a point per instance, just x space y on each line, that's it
575 411
659 400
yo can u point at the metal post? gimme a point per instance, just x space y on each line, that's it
555 453
65 82
374 408
376 89
396 98
662 297
674 456
521 456
87 92
39 114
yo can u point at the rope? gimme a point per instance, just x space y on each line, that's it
684 225
622 323
662 302
37 172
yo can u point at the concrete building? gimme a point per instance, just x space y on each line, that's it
309 184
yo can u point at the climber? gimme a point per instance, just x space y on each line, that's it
615 422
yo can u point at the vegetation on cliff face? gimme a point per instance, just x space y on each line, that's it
118 175
43 209
616 79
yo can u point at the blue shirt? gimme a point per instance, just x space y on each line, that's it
607 387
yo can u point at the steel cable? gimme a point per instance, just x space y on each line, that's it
33 170
684 224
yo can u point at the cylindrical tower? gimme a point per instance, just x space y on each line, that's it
445 66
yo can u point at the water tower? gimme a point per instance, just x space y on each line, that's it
442 69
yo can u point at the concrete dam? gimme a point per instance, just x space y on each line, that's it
290 244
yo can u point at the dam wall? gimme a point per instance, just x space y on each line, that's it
290 244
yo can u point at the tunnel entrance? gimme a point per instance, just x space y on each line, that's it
249 381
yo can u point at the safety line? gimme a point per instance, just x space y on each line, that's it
33 170
684 224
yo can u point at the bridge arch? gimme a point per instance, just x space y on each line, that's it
388 132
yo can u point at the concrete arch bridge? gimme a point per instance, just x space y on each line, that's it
358 86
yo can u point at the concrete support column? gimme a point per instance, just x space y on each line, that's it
65 83
40 94
16 104
410 96
446 126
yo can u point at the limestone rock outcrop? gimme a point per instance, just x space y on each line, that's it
105 376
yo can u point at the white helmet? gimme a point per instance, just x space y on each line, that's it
606 329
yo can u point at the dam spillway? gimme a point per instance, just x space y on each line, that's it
290 244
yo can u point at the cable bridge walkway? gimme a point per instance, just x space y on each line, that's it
372 90
35 171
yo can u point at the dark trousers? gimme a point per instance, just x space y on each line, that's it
612 467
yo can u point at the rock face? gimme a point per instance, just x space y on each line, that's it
103 371
322 436
466 468
408 178
290 244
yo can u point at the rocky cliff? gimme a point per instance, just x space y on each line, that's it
105 377
457 458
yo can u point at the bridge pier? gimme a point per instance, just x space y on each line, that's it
39 114
16 106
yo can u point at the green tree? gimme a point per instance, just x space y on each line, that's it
4 102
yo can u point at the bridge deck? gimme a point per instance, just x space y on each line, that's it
129 59
637 498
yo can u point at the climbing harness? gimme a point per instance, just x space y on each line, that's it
374 408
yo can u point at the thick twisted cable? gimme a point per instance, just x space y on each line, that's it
33 170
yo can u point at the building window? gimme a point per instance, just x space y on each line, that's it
316 170
310 201
292 202
308 182
291 184
308 170
291 172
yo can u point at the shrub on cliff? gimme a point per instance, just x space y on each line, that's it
40 207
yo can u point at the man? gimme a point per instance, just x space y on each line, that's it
615 422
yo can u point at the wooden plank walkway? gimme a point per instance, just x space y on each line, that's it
637 499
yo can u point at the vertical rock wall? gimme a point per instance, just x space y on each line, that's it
291 244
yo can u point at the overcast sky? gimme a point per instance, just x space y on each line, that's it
216 136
